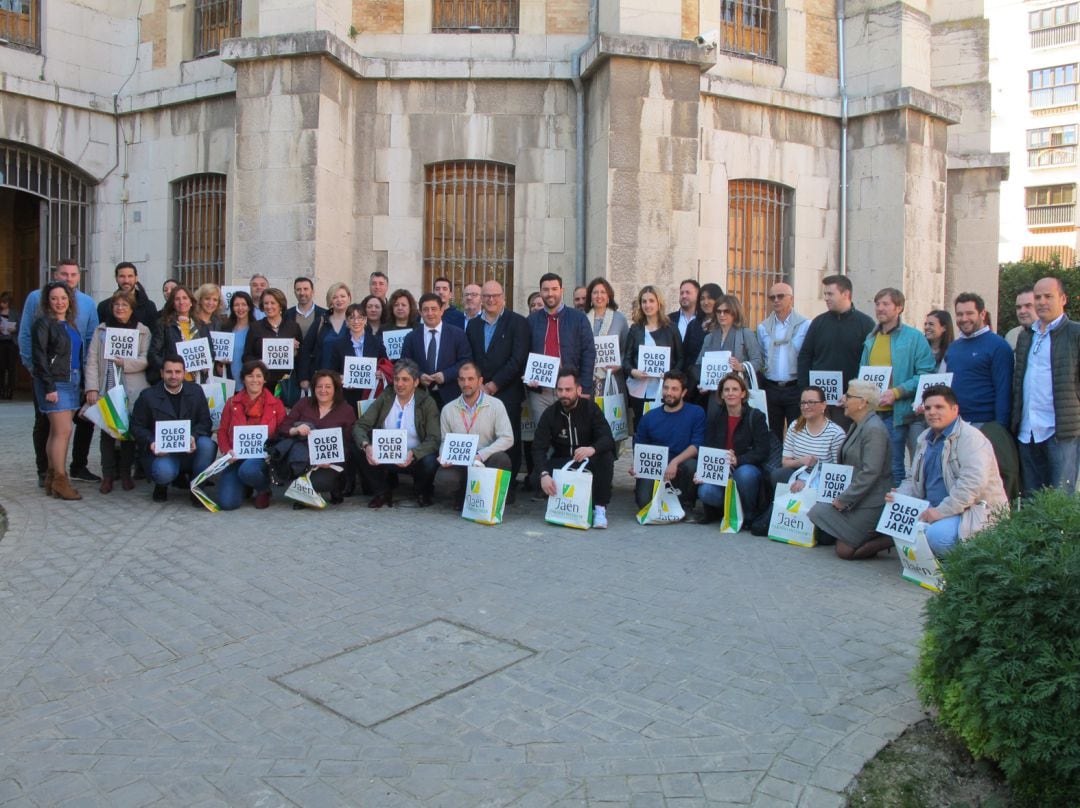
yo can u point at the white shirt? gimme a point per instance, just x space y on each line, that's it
684 321
1037 422
428 337
776 362
404 417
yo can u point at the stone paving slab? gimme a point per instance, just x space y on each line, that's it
143 645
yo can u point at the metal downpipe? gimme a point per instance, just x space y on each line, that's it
840 16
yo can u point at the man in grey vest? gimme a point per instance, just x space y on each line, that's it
781 335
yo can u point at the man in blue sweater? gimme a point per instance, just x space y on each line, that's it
680 427
982 366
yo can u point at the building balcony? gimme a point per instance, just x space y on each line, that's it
1052 158
1068 34
1051 215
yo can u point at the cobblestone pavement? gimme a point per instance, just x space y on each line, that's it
155 654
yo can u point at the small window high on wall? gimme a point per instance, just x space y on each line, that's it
748 28
759 243
475 16
215 21
20 24
469 224
199 208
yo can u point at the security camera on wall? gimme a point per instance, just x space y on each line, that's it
709 39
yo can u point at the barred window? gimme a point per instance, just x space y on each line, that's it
1052 146
199 255
748 28
1051 205
1052 86
20 23
489 16
469 224
215 21
759 248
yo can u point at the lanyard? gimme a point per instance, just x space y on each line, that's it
468 422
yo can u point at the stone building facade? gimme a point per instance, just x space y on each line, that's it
643 140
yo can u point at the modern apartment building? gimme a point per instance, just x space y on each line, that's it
736 141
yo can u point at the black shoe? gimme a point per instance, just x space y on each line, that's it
195 503
298 506
84 474
424 500
511 496
41 479
709 515
336 499
161 493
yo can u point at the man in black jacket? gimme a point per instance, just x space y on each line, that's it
574 428
127 280
172 399
499 339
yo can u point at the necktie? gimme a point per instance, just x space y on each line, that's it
551 336
431 355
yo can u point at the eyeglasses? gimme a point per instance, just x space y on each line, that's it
356 316
491 296
723 311
849 395
1039 340
810 403
777 297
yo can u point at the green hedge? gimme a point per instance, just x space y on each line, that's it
1001 656
1016 276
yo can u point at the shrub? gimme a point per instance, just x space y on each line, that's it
1013 277
1001 656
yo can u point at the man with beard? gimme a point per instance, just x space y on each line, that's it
681 428
573 428
127 280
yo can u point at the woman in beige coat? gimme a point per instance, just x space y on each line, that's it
851 519
103 374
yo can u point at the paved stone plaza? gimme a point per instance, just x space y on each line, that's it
161 655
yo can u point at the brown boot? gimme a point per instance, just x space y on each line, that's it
62 488
106 485
50 475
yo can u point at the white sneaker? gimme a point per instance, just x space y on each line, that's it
599 517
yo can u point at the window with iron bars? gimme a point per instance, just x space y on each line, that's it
1050 27
469 225
199 255
215 21
748 28
759 243
489 16
1051 205
20 23
1052 86
1052 146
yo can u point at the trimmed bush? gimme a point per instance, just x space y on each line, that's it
1013 277
1001 656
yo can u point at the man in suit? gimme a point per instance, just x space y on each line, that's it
306 311
439 349
499 341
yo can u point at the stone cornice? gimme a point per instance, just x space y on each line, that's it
650 48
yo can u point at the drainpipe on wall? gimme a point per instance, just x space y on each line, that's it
843 134
582 164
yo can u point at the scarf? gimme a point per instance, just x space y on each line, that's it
253 407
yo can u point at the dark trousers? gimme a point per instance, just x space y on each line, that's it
422 471
602 466
684 482
9 358
783 402
513 411
117 456
499 460
80 444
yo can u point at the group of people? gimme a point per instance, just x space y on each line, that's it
1009 420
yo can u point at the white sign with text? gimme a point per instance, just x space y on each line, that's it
326 446
389 445
393 340
715 365
608 354
650 462
898 517
249 442
713 466
172 437
880 375
459 449
359 373
654 360
196 354
121 343
831 381
930 380
223 344
541 369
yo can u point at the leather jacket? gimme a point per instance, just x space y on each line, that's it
51 352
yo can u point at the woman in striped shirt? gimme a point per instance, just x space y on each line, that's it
812 439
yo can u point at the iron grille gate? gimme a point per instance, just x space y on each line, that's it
199 255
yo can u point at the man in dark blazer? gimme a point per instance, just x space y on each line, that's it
439 349
306 311
687 318
499 341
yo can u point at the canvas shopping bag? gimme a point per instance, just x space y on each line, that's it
572 504
733 515
485 495
111 413
654 403
217 392
213 470
790 523
528 421
664 508
919 565
756 398
613 404
303 492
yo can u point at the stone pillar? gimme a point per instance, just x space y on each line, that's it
971 229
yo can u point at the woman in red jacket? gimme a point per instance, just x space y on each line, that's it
253 405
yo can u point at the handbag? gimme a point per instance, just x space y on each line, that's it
485 495
664 508
790 522
613 405
572 504
756 398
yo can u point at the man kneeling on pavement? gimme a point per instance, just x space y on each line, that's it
955 470
574 429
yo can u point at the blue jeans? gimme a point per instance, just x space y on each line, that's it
1054 463
163 470
943 535
898 441
252 472
747 480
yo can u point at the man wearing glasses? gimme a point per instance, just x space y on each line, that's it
781 335
86 321
1046 393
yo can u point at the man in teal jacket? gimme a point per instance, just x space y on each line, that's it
907 352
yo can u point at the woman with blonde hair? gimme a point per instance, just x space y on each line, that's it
207 309
324 332
650 329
